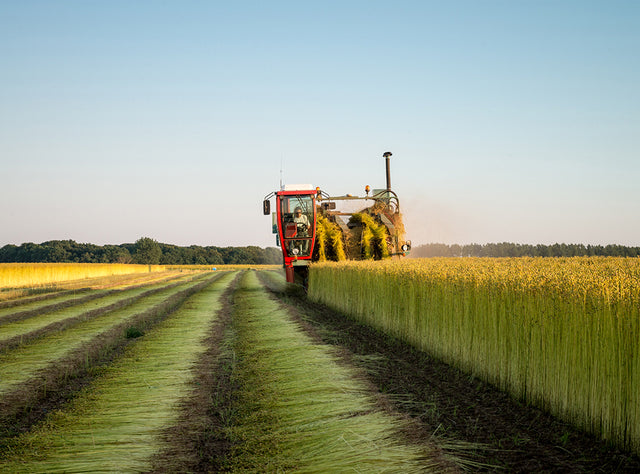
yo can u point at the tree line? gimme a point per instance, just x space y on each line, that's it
145 250
148 251
507 249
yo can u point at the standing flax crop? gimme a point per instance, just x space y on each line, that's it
14 275
563 334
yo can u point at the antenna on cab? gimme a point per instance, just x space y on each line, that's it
281 188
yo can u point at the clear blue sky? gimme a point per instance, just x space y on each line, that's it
508 120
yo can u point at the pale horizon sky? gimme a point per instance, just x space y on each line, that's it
509 121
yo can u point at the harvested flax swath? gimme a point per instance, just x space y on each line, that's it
23 363
114 425
299 409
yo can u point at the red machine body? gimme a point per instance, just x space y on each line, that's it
296 228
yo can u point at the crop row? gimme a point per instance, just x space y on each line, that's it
43 353
113 424
299 409
562 334
288 402
23 323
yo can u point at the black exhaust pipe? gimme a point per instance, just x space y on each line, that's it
386 155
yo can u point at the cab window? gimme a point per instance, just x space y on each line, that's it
297 219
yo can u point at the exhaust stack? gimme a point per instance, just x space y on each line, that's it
386 155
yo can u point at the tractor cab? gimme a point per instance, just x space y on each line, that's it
294 223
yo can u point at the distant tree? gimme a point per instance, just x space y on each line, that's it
213 256
171 255
147 251
256 254
455 250
9 253
239 255
30 252
55 251
199 255
116 254
508 249
472 250
273 256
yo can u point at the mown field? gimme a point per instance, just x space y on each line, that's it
229 370
200 371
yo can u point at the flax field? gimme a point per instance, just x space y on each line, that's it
194 369
562 334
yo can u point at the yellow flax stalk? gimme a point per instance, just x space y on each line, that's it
329 241
19 275
560 333
374 237
321 239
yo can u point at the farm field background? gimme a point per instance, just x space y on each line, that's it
194 369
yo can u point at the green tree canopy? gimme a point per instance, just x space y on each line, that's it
148 251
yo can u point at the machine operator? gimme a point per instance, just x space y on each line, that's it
302 223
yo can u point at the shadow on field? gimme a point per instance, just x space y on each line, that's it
512 437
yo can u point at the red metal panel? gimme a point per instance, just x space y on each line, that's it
288 260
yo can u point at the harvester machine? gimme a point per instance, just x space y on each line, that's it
311 225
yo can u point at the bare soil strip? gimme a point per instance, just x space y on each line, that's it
511 437
61 379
